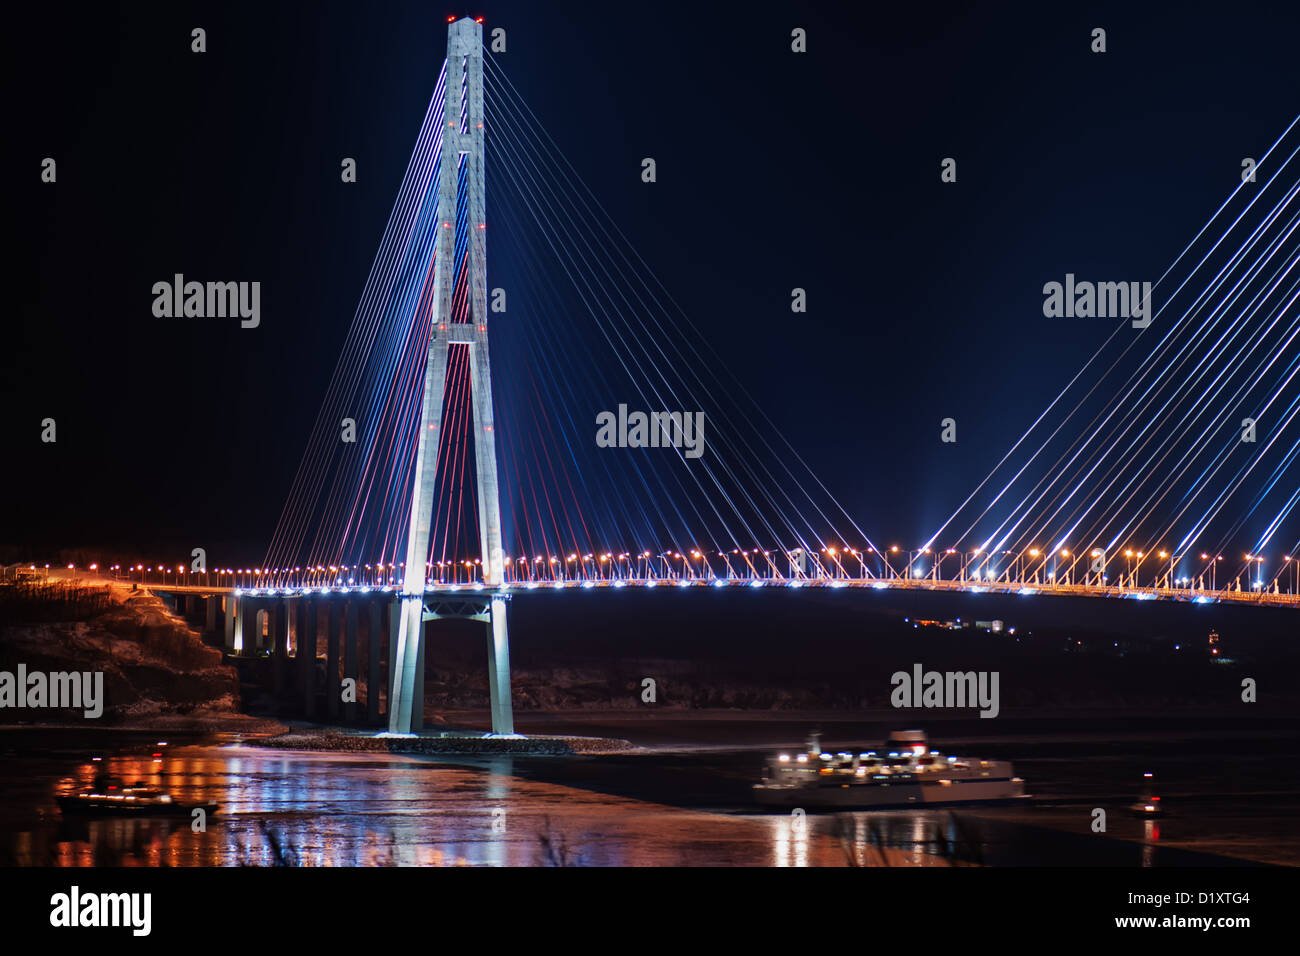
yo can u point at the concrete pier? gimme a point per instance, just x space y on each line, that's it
307 659
332 689
503 720
374 627
249 630
351 639
280 647
231 605
417 701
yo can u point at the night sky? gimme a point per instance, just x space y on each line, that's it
774 171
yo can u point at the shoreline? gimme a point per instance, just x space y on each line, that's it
460 743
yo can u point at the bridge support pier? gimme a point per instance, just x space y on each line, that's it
246 635
373 626
280 645
332 685
210 614
351 637
406 652
230 616
503 719
417 701
394 611
307 659
409 676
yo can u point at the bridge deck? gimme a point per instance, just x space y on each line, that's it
444 590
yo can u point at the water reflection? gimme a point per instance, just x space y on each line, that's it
1150 836
288 808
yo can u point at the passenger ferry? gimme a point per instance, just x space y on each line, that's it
905 773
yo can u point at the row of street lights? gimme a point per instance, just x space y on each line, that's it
1029 566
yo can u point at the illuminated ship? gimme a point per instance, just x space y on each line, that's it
1148 804
906 773
108 796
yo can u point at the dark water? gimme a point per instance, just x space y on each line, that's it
1233 794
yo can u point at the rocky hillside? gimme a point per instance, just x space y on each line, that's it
157 671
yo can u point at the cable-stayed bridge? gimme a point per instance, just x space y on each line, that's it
607 446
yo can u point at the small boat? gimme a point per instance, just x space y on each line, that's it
907 772
1148 804
109 796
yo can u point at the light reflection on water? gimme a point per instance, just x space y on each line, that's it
375 810
318 809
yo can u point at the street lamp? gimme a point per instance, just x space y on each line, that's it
938 561
1259 570
911 571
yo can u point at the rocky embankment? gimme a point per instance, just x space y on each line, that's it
157 672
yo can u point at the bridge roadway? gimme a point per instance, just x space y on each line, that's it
454 591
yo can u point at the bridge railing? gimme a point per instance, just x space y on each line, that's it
649 572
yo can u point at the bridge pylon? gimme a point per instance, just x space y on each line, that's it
461 136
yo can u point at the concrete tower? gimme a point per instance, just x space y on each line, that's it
462 136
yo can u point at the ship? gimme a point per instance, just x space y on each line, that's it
1148 804
109 796
905 773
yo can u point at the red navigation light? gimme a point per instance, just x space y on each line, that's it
451 19
478 19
